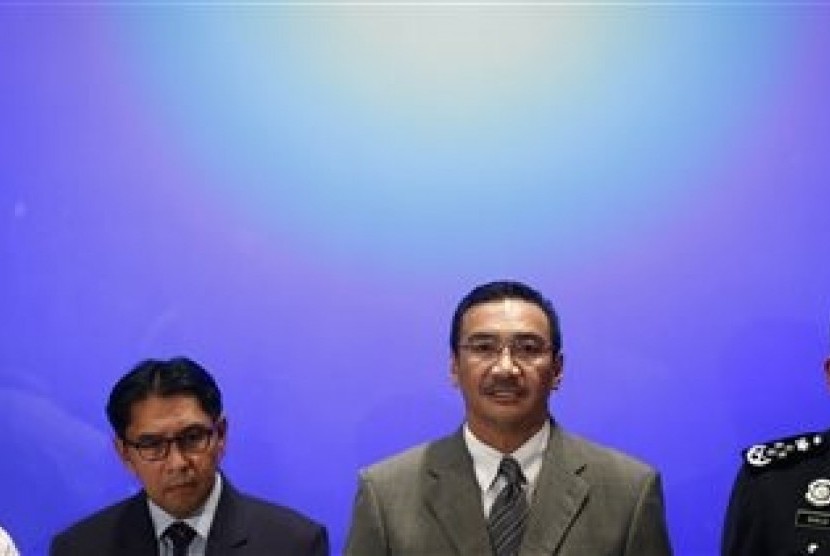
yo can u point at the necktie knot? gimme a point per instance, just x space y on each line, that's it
510 469
180 535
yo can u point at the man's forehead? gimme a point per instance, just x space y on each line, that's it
504 312
166 411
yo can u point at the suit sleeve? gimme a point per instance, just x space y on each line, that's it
366 536
649 535
740 531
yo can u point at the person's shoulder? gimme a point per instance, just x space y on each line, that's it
277 528
410 463
784 480
276 514
605 457
105 516
98 525
787 453
402 463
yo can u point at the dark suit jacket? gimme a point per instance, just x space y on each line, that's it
588 501
780 504
242 526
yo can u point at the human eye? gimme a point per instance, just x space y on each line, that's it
528 346
483 346
193 437
151 444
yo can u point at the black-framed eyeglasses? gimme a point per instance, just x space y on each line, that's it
194 439
523 348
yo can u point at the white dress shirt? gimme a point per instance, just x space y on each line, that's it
486 460
200 522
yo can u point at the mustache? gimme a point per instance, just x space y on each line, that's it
179 484
500 385
181 479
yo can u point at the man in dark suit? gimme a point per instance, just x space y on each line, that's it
171 433
780 501
511 481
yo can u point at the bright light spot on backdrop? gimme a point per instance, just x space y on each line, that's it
413 135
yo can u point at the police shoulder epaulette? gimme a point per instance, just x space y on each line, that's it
785 451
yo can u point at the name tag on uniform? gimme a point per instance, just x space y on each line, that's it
812 519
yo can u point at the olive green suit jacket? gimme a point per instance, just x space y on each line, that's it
588 501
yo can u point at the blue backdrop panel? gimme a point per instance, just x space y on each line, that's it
297 195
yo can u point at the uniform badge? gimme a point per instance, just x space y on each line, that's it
818 493
786 451
757 456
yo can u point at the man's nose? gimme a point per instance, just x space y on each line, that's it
176 457
505 363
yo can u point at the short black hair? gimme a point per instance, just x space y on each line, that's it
505 289
157 377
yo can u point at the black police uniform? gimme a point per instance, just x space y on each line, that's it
780 503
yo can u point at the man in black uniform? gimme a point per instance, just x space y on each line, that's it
780 503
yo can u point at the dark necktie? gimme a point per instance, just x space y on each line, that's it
180 535
508 515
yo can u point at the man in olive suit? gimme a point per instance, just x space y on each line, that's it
510 481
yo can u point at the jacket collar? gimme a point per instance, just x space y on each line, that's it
454 497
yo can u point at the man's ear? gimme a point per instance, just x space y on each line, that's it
221 434
454 370
222 427
123 452
557 370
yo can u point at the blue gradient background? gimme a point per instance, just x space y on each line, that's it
297 195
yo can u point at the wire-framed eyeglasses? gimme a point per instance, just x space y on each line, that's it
523 348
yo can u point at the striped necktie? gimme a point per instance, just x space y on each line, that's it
508 516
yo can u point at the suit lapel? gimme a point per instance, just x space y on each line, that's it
454 497
229 530
136 535
558 499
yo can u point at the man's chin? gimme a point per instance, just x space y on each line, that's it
181 504
514 416
181 511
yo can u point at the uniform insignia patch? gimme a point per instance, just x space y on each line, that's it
818 493
757 456
785 451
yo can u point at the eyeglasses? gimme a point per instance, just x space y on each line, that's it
155 447
523 348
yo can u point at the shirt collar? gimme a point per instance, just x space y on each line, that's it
486 459
200 521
